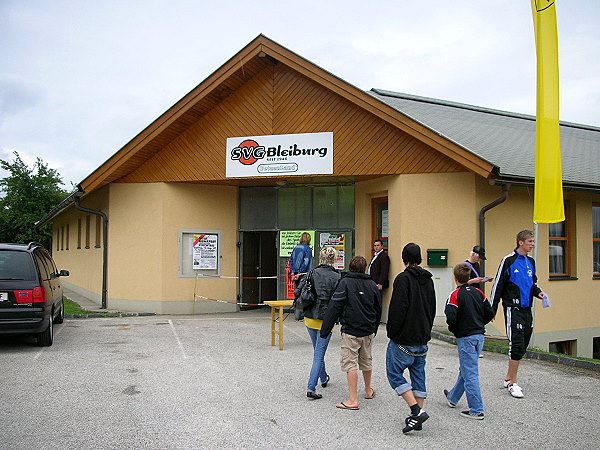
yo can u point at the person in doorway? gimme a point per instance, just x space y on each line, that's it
410 319
475 278
301 258
467 311
324 280
516 285
379 267
357 303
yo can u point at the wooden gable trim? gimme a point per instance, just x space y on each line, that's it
262 47
94 180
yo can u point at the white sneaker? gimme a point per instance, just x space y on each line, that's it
515 391
506 384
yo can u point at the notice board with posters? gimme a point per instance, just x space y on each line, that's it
337 241
204 252
199 253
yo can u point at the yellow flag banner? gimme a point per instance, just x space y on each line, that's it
548 198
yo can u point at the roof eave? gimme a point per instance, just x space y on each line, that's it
261 44
68 201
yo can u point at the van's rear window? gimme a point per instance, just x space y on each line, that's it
15 265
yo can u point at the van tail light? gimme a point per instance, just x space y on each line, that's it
37 295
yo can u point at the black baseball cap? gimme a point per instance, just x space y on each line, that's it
480 251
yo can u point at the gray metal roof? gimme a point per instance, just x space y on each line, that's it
505 139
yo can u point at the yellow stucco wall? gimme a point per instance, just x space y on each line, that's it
84 264
442 211
203 207
433 210
146 220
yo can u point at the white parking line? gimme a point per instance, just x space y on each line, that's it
177 338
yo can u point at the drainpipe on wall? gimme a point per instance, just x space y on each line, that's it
486 208
105 249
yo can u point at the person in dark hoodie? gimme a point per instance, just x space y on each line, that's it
410 319
357 303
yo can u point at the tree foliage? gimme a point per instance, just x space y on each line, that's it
29 194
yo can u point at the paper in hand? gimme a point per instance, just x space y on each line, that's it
546 301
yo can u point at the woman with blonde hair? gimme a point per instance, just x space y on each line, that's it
324 281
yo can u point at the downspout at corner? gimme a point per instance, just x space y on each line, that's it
486 208
76 200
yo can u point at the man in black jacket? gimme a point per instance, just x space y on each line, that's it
357 303
379 266
410 319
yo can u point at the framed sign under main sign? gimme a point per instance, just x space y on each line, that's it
280 155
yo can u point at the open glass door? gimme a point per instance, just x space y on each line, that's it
259 259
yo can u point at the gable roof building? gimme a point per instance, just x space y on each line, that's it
405 169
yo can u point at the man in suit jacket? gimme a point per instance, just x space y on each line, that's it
380 266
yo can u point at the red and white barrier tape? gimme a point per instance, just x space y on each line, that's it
200 275
233 302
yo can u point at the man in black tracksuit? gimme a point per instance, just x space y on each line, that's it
410 318
357 303
516 285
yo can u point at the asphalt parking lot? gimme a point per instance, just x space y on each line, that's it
214 381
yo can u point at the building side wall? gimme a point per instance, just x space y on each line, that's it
200 207
84 262
575 311
144 250
135 249
423 208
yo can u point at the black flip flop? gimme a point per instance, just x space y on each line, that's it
344 406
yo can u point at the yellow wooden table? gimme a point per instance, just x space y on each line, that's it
278 305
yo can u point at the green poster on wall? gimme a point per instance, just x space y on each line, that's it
288 239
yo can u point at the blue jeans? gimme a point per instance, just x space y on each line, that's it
469 348
318 365
397 361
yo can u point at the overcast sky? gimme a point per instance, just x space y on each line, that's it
79 79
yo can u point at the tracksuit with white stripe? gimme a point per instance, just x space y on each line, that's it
515 284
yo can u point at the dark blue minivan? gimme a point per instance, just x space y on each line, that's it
31 295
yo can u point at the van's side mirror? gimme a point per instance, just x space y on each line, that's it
63 273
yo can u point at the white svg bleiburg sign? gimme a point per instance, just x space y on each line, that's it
280 155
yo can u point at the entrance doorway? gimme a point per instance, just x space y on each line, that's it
379 220
265 212
259 259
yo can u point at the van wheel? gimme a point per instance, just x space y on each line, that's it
44 339
60 318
